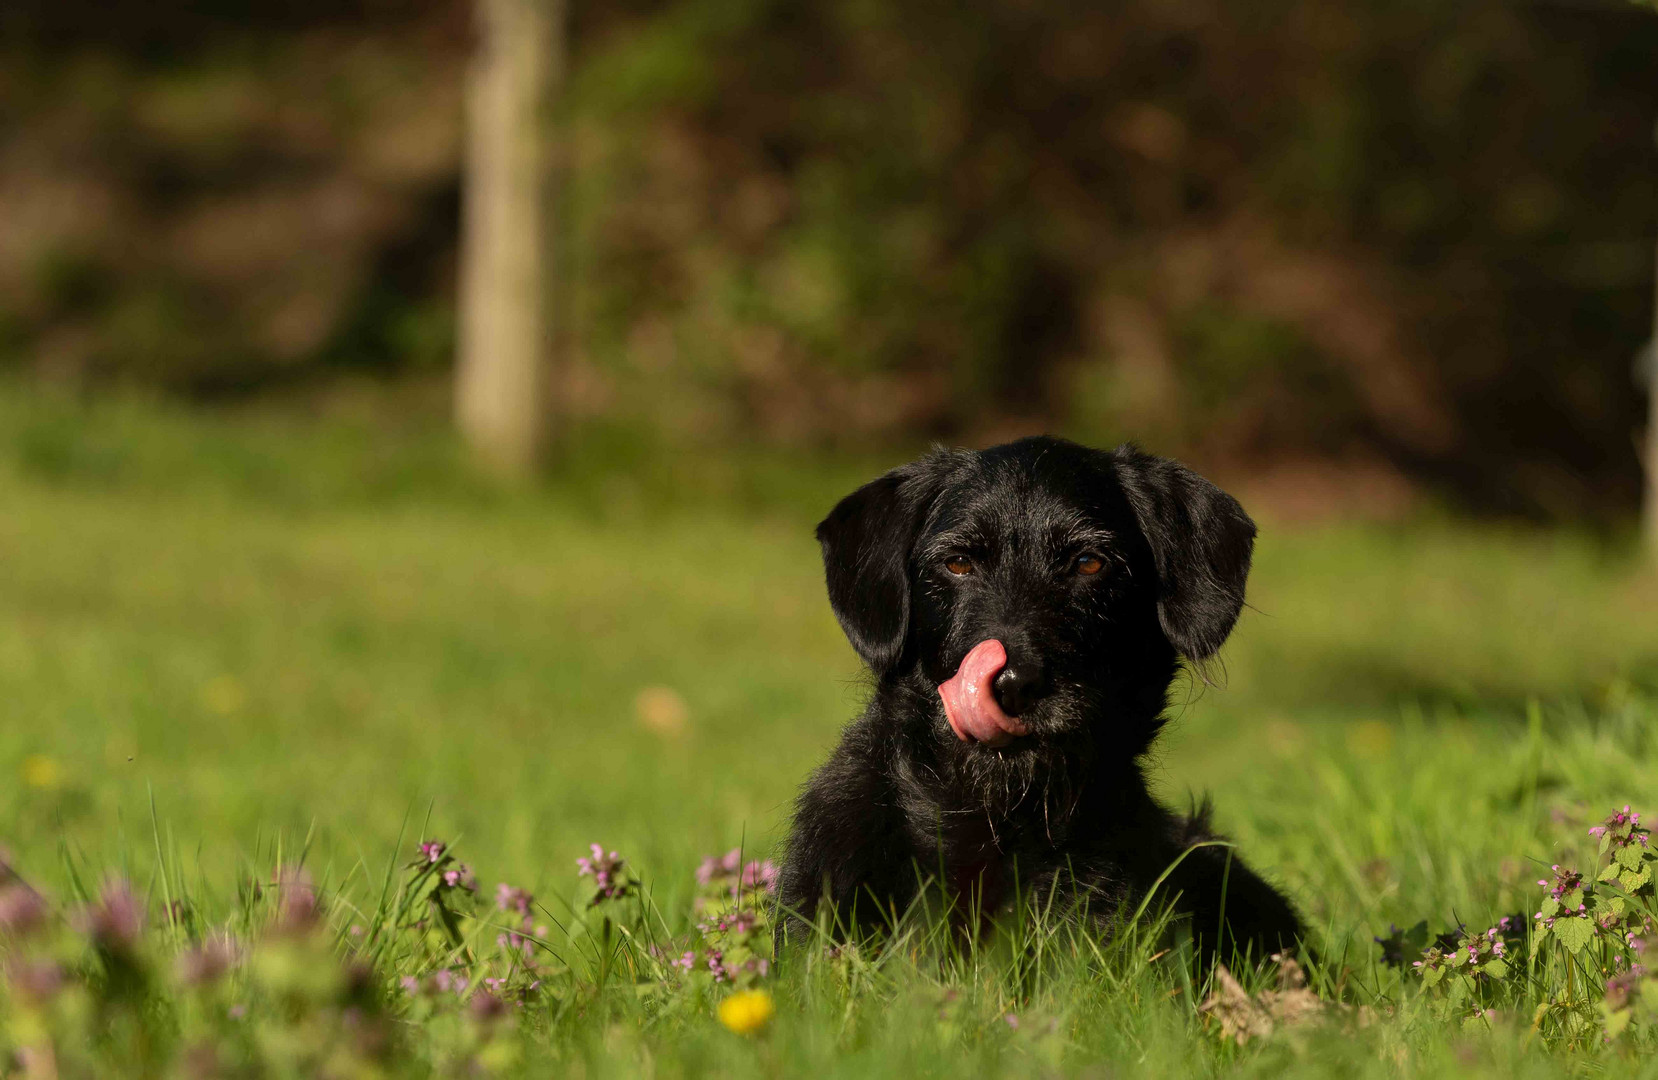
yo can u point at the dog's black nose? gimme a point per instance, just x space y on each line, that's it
1019 686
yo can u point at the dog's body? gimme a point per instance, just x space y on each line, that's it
1023 611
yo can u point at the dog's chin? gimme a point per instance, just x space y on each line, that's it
1030 770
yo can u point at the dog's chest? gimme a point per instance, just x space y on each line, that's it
982 860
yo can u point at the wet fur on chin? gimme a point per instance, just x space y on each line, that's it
1065 808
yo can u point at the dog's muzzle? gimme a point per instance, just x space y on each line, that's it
970 700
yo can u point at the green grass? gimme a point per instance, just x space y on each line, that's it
281 629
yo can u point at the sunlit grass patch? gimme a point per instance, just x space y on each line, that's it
1414 724
422 968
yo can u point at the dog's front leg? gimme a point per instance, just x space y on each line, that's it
846 849
1234 911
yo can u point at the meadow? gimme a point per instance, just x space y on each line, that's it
248 640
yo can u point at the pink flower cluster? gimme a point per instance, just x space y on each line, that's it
442 981
724 972
756 875
1473 949
1564 881
606 872
116 920
21 910
517 901
451 874
1622 829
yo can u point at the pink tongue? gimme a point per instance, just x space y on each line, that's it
970 704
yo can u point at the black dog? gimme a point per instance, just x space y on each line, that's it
1023 611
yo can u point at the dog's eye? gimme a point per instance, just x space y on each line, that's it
1089 565
959 565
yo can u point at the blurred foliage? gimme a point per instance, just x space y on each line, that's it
1405 237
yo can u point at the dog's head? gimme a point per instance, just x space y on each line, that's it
1044 589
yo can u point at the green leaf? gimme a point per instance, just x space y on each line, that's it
1574 933
1496 967
1571 900
1611 872
1550 907
1431 976
1634 879
1630 856
1605 841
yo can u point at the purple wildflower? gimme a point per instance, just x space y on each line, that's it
486 1006
510 898
116 920
1564 882
606 872
716 868
460 876
1620 989
297 904
36 980
410 985
432 850
21 910
760 875
207 962
1621 829
516 942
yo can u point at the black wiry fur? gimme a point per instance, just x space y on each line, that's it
1065 807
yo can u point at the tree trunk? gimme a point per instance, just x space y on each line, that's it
503 372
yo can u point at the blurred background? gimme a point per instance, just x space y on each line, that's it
276 277
1360 252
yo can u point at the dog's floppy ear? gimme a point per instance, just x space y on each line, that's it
1201 541
866 543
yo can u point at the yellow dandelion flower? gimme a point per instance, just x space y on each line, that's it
747 1011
